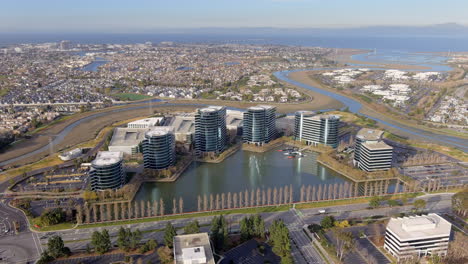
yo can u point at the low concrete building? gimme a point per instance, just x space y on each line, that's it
184 127
193 249
417 236
146 123
234 121
127 140
72 154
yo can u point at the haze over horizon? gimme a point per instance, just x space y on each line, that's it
121 16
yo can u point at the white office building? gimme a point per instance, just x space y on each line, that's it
193 249
146 123
371 153
417 236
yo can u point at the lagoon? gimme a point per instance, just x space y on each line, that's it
242 171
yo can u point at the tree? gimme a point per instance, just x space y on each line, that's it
460 203
148 246
101 241
279 238
344 242
52 217
342 224
258 226
219 232
56 248
327 222
192 228
374 202
45 258
393 203
135 238
90 195
245 229
419 204
169 234
123 241
457 252
165 255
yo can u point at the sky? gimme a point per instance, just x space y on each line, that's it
148 15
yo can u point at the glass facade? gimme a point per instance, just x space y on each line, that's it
159 148
210 129
259 125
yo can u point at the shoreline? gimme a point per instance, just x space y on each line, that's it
303 77
345 56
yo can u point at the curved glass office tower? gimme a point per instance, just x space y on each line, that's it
159 148
316 129
210 129
259 124
107 171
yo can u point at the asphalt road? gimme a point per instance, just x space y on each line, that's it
27 245
77 239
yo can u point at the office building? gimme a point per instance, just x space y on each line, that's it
127 140
107 171
159 148
193 249
371 153
259 125
72 154
184 127
146 123
210 129
316 129
418 236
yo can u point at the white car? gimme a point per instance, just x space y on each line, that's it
322 211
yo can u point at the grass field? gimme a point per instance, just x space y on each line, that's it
131 96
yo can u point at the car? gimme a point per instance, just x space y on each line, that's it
322 211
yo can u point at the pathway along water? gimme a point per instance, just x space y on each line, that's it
355 107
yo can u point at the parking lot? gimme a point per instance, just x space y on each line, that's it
450 174
69 179
38 206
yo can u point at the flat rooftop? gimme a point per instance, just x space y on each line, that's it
418 227
105 158
159 131
187 243
152 121
211 108
318 117
261 107
376 145
124 136
305 113
183 123
234 118
369 134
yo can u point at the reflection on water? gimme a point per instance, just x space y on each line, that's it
430 60
242 171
